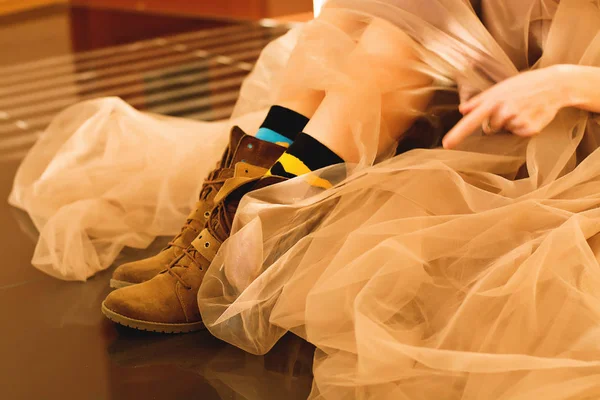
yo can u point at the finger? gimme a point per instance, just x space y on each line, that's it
471 104
514 125
466 126
525 132
523 128
529 124
500 118
477 100
486 128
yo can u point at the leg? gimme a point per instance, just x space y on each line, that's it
374 64
284 122
167 302
295 96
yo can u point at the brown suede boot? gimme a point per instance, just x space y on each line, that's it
168 302
241 148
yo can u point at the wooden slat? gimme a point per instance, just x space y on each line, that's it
191 75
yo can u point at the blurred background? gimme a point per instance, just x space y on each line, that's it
183 58
224 8
87 19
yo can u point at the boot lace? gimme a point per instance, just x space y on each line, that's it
190 253
218 218
211 184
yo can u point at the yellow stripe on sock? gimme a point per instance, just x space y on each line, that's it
293 165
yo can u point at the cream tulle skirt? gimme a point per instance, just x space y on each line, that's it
467 274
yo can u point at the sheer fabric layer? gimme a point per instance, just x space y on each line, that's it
104 175
433 275
469 274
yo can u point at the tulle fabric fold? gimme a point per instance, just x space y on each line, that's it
468 274
104 175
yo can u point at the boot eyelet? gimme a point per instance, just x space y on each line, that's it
207 245
207 214
250 146
246 171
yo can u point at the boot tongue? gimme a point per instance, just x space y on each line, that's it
222 169
260 153
235 137
246 148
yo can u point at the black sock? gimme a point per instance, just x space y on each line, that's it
281 125
305 155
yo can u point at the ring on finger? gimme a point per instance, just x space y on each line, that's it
487 127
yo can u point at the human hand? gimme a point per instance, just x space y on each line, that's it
523 105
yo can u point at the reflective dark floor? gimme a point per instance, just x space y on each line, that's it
55 342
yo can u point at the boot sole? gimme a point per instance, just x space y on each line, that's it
151 326
117 284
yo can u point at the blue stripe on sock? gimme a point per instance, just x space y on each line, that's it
269 135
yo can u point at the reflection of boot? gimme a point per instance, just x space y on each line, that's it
197 351
168 302
283 373
241 148
147 365
138 349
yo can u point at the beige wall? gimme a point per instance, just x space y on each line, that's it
251 8
12 6
242 9
26 39
276 8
